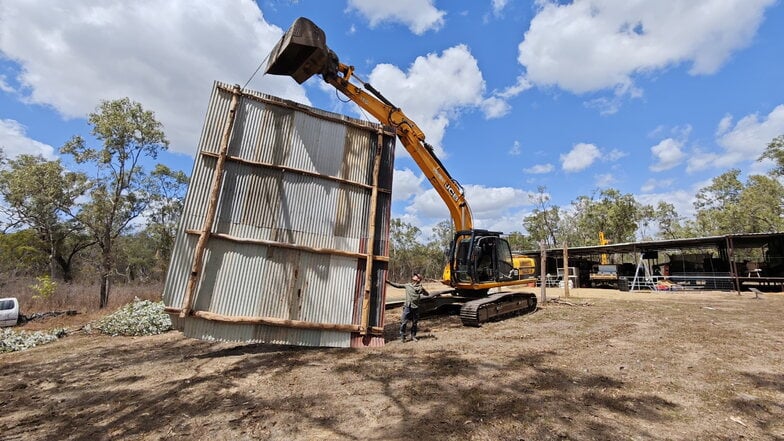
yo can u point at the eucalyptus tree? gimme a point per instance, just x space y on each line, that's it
520 242
728 205
403 249
119 190
775 152
717 205
615 214
36 193
668 221
167 198
544 221
762 200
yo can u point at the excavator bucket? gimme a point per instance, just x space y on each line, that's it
301 52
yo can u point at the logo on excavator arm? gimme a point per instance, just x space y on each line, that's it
451 191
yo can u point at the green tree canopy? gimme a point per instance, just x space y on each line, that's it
37 193
544 222
775 152
167 199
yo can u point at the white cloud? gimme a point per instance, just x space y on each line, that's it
668 154
494 107
652 184
405 184
488 205
605 180
419 16
498 6
489 202
724 125
616 154
745 141
682 200
701 160
519 87
580 157
539 169
412 90
515 150
14 141
163 55
4 87
592 45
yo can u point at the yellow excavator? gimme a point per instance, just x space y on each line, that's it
479 260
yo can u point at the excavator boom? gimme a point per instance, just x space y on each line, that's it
302 52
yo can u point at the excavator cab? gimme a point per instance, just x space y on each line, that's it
301 53
479 257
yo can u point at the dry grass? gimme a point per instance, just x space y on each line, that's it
79 297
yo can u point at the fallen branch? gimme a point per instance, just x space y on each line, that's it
564 302
738 420
42 315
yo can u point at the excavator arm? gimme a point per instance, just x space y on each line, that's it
479 260
412 138
302 53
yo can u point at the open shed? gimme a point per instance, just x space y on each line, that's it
728 262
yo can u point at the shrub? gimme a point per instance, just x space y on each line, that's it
44 288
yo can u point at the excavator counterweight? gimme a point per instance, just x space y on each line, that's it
301 53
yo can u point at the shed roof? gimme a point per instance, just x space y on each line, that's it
751 240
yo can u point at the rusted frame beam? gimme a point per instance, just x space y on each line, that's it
275 321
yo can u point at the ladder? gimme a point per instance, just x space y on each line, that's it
646 281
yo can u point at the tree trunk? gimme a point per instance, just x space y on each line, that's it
52 260
106 272
65 269
104 301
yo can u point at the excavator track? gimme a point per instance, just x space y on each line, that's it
496 307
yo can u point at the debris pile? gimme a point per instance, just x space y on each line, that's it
11 341
142 317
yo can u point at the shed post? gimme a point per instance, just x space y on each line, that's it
566 269
543 272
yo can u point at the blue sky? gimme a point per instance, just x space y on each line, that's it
651 98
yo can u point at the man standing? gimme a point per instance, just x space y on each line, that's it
414 291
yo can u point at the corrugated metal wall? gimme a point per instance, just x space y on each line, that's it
285 259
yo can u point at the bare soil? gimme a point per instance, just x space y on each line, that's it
608 365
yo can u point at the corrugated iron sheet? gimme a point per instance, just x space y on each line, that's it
290 238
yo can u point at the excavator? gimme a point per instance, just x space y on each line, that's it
478 260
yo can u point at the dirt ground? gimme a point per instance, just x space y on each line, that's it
608 365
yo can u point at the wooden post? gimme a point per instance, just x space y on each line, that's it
363 328
566 269
212 207
543 272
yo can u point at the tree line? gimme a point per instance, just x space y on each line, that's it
114 219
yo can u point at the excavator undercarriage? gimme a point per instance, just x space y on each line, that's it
474 310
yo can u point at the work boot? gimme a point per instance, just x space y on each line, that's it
413 338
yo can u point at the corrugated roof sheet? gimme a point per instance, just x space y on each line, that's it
286 254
